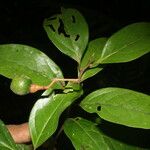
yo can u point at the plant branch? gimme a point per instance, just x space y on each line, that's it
82 70
34 87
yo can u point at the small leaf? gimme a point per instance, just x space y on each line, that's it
85 134
6 141
69 32
129 43
93 53
47 92
16 59
90 72
45 114
120 106
72 87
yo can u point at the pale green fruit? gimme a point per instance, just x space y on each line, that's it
20 85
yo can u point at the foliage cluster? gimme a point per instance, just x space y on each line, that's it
31 70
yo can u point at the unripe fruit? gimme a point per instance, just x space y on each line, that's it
20 85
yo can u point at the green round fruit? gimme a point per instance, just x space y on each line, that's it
20 85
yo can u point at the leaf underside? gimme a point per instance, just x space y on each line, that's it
84 134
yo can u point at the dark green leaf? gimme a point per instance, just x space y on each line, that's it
120 106
6 141
16 59
85 134
128 44
45 114
93 53
90 72
69 32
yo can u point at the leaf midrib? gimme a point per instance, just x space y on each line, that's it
86 132
48 122
110 105
6 145
32 70
116 51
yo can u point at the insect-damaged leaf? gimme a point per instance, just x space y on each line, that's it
69 32
120 106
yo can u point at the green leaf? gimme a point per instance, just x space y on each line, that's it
6 141
23 147
129 43
93 53
45 114
69 32
120 106
89 61
85 134
90 72
47 92
16 59
70 87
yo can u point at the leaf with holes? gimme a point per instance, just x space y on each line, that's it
16 59
120 106
69 32
45 114
129 43
85 134
6 141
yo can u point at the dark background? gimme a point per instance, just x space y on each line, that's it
21 22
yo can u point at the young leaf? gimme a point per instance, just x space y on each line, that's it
89 60
16 59
45 114
127 44
6 141
69 32
90 72
93 53
85 134
120 106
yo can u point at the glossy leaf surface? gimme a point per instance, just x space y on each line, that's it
120 106
16 59
85 134
69 32
45 114
93 53
6 141
129 43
